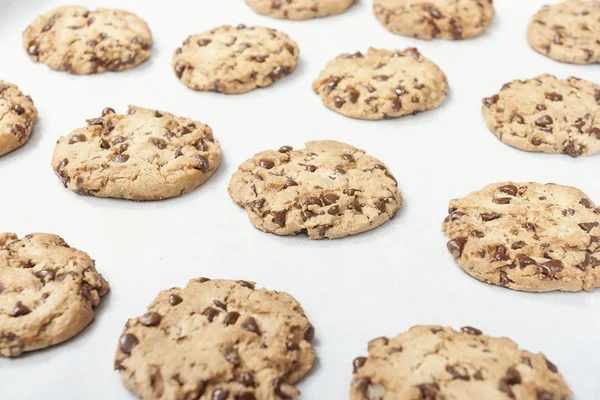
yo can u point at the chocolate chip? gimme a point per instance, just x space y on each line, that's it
77 139
477 233
220 304
19 310
330 198
458 372
554 97
309 333
550 268
231 354
246 284
588 226
544 395
525 261
120 158
586 203
487 217
17 130
502 200
334 210
285 149
46 274
203 42
504 279
353 95
220 394
248 379
355 205
151 318
509 189
18 109
245 396
250 325
277 389
231 318
289 183
311 168
357 363
456 246
127 342
471 331
518 245
551 366
500 254
292 346
313 201
210 313
279 217
339 102
179 69
202 163
544 121
267 164
490 101
174 299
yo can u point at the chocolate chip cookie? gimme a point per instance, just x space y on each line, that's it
326 190
527 236
546 114
427 19
217 340
80 41
381 84
235 60
17 115
434 362
142 155
567 32
300 9
48 292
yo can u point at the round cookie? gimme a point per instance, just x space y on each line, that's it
217 340
433 362
48 292
445 19
527 236
381 84
326 190
235 60
568 32
300 9
17 115
80 41
546 114
143 155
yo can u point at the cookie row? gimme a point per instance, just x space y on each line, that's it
220 339
81 41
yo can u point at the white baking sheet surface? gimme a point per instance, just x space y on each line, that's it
354 289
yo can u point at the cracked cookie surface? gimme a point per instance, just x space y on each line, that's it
17 116
527 236
80 41
48 292
217 340
546 114
445 19
434 362
300 9
142 155
235 60
381 84
326 190
567 32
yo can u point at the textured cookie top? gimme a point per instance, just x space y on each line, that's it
80 41
17 115
143 155
381 84
445 19
47 292
217 340
567 31
328 190
299 9
527 236
547 114
435 363
235 59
